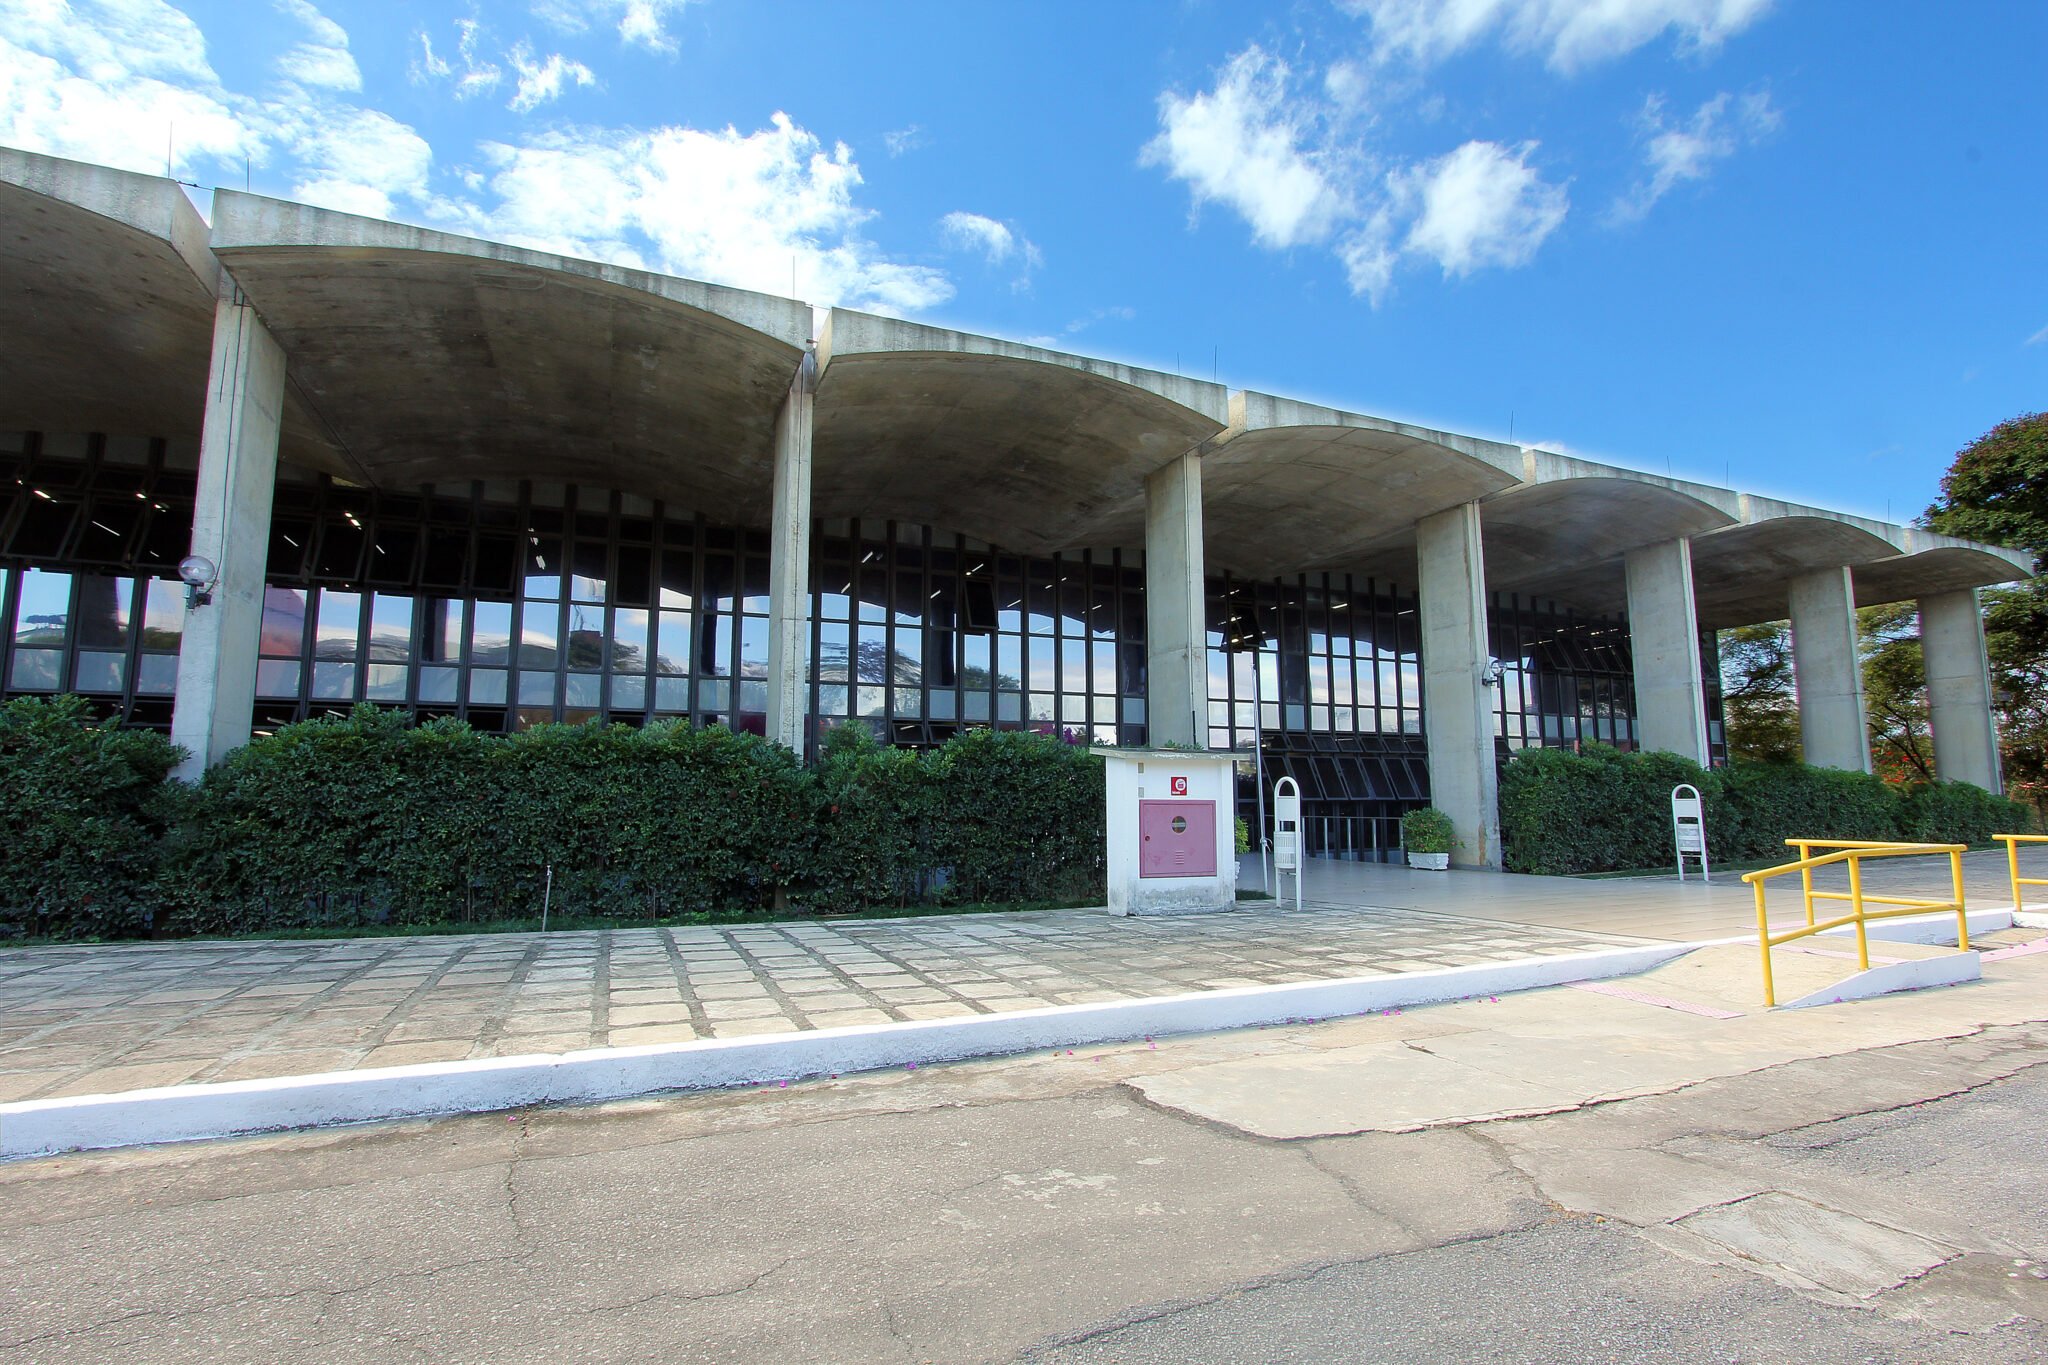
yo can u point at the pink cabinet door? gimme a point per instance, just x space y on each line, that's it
1176 838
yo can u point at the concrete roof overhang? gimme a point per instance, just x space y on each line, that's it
1742 574
434 357
1291 487
107 294
1563 533
1031 449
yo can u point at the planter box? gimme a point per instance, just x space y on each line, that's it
1430 862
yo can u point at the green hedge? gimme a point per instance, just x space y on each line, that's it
1601 810
83 809
366 819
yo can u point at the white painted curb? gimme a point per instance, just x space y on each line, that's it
1949 970
183 1113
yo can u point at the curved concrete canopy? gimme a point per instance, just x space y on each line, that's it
1030 449
106 300
435 357
1741 574
1953 566
1292 488
1562 534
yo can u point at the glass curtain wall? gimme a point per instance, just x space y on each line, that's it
511 603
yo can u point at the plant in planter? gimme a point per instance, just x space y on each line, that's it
1428 836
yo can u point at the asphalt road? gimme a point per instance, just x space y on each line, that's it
1883 1205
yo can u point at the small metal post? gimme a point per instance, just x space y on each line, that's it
1955 868
547 895
1856 904
1763 943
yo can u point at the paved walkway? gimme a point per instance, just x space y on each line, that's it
91 1020
100 1019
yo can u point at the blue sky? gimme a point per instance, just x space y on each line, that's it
1798 248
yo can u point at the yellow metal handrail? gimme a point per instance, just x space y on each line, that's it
2012 860
1853 852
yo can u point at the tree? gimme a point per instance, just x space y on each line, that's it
1895 692
1756 692
1997 491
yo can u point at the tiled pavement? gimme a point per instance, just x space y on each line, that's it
90 1020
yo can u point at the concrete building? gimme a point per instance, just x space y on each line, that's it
469 479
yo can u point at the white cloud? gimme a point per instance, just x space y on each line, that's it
100 80
1481 205
2038 338
903 140
1569 34
357 160
997 243
1674 154
1294 167
642 23
1245 144
542 82
478 75
744 209
323 60
119 82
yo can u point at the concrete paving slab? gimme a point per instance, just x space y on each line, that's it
1809 1245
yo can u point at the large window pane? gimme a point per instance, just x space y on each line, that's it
539 636
44 616
673 657
390 629
628 646
340 619
103 604
584 648
491 640
284 622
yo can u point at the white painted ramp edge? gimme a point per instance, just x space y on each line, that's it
1951 969
183 1113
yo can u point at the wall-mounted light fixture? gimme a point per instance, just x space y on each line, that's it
200 577
1492 671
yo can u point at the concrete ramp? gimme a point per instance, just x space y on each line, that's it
1725 979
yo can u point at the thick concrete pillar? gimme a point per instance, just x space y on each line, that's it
1959 690
1457 704
1827 671
1176 628
1664 637
216 693
789 562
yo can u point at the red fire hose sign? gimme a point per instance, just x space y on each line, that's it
1179 786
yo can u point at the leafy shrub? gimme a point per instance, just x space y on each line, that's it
1959 813
1599 809
366 819
1773 802
1428 830
874 830
82 810
1023 817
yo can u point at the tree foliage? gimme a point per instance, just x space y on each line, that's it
1997 491
1756 692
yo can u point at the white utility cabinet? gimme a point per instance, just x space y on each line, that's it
1172 830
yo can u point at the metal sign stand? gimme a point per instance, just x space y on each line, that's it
1290 841
1689 828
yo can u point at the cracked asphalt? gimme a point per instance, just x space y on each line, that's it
1883 1197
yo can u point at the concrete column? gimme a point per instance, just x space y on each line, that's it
216 693
1176 626
1457 704
1959 690
789 562
1827 671
1664 638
